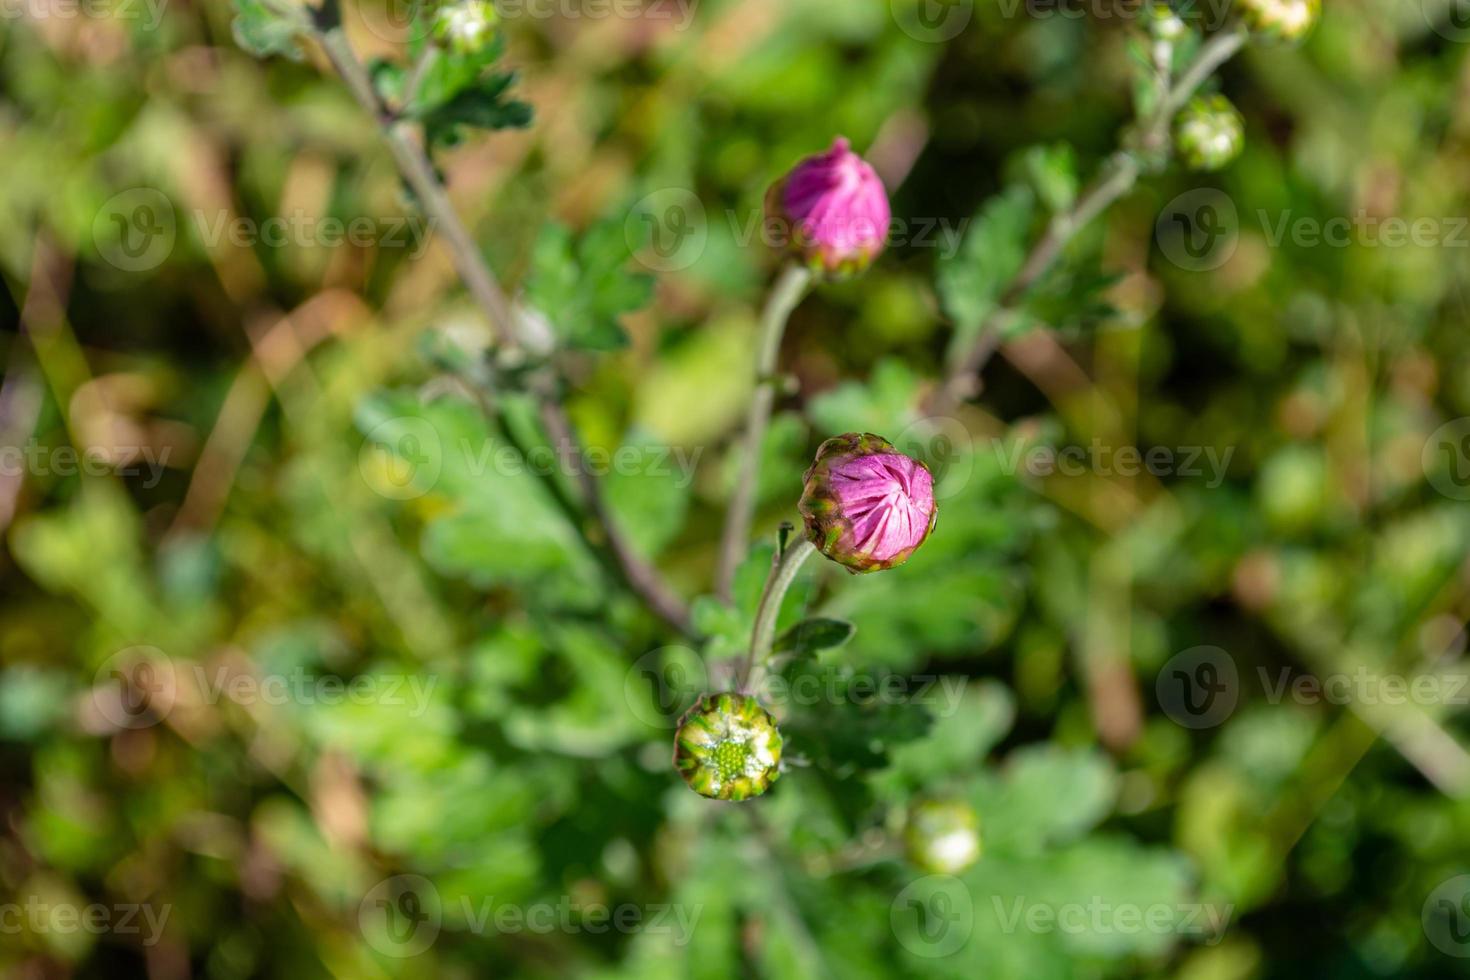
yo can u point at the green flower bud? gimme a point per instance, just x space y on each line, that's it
1280 20
1209 132
466 26
943 836
728 748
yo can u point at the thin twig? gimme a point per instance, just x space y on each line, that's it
413 163
785 295
1117 177
417 75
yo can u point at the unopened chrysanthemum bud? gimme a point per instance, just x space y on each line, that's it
727 747
466 26
943 836
1164 24
1281 20
867 505
1209 133
832 211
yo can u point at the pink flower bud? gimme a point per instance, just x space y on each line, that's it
832 211
867 505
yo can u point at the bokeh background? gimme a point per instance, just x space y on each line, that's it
401 719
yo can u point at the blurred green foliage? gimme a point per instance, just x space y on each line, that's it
298 485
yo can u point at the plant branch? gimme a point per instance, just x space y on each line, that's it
417 75
784 567
1117 177
413 163
785 295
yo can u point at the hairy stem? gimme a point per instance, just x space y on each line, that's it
783 572
785 295
413 163
1117 177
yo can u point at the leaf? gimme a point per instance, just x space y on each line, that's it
452 73
583 288
1052 171
263 30
810 636
971 281
1047 796
883 405
647 487
965 728
480 105
493 522
848 728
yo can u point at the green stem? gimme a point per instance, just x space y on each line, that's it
785 295
637 574
783 572
1117 178
416 77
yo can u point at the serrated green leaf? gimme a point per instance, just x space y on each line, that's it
452 73
971 282
481 104
263 30
583 288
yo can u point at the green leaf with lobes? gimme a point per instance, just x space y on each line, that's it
972 282
814 635
481 105
584 287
